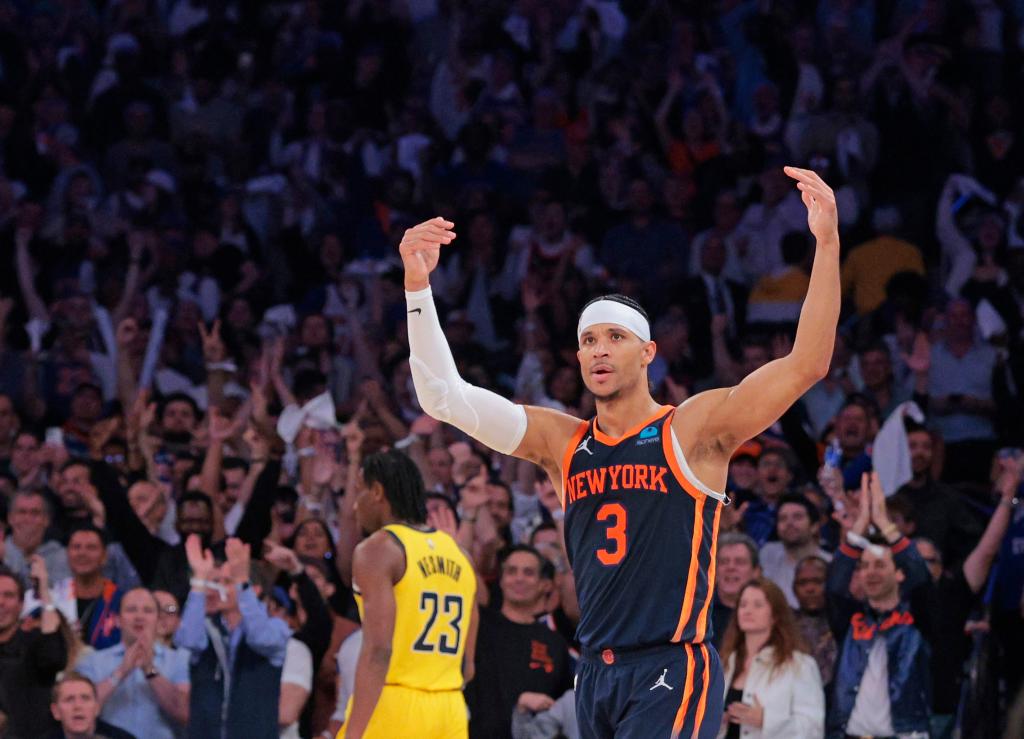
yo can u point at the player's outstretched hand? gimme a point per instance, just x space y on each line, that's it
822 215
421 248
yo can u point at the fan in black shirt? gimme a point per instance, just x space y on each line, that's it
515 653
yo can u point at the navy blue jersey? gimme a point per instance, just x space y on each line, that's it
640 531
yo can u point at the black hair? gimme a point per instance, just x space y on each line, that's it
863 401
911 426
196 497
618 298
91 528
878 346
801 500
541 560
234 463
179 398
78 462
308 383
544 526
446 500
402 483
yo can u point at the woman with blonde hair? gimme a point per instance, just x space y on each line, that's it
773 687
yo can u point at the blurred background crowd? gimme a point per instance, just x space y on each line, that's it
202 333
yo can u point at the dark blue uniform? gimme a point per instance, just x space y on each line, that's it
640 532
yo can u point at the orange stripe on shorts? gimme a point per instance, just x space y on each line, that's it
684 707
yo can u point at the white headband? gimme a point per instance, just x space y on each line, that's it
612 311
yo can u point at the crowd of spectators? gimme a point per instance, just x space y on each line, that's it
200 204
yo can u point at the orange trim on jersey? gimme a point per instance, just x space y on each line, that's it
691 577
684 707
702 619
702 703
612 441
673 463
570 449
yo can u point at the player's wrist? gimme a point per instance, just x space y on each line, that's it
414 285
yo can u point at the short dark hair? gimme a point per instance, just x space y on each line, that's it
801 500
402 483
77 462
878 346
447 501
308 383
862 401
179 398
196 497
544 526
90 528
234 463
912 427
541 560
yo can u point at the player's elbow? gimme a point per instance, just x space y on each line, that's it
380 654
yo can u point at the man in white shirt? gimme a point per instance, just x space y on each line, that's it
797 527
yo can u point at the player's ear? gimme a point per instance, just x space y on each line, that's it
649 351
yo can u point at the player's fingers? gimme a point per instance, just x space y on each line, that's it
809 178
419 243
820 189
808 200
427 231
441 222
435 234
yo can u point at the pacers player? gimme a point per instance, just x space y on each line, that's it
416 593
641 484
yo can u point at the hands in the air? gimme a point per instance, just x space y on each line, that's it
421 248
822 214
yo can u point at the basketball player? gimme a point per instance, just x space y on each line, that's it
640 484
416 592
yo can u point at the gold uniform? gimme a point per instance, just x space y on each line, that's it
434 599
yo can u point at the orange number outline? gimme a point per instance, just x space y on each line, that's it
615 533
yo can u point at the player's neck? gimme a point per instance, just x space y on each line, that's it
617 416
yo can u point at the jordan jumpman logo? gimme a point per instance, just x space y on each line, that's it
661 681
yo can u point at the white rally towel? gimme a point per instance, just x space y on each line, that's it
890 455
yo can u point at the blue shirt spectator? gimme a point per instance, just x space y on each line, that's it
140 682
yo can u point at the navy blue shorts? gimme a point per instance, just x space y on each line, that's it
666 691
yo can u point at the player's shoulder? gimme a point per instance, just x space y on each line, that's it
379 551
691 417
548 433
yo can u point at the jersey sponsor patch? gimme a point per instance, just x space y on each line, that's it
649 436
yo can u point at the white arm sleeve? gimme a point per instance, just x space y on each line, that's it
487 417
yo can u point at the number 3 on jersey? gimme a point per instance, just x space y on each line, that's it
446 643
616 533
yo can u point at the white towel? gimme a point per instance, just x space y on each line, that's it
890 455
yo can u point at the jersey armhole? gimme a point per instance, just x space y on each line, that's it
405 554
570 449
681 468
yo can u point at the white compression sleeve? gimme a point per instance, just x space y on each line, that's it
486 416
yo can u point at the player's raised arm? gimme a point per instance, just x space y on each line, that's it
743 411
502 425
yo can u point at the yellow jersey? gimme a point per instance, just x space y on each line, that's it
433 606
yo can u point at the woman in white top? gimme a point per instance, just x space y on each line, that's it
773 690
